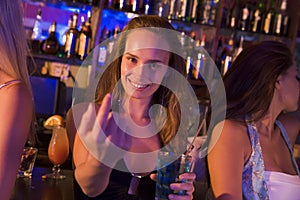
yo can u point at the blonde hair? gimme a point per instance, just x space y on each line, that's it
13 46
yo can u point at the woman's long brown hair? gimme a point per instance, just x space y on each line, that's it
250 81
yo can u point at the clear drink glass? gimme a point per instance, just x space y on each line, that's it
58 151
27 162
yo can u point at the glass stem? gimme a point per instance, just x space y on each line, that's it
56 170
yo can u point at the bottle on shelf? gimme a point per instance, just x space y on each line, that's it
246 16
238 50
189 10
227 56
129 5
194 11
85 38
135 6
105 33
281 20
269 19
233 18
188 45
258 17
200 60
182 9
37 33
214 4
226 15
112 39
189 67
207 12
109 4
71 44
147 7
51 45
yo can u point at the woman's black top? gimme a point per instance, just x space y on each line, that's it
118 186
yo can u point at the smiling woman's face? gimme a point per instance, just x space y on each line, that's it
144 64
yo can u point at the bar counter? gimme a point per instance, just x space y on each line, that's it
37 188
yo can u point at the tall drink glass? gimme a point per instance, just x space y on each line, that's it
58 151
169 173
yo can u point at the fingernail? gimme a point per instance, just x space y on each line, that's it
181 177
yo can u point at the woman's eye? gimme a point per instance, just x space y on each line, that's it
132 60
154 65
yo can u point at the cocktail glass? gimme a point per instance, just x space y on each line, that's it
58 151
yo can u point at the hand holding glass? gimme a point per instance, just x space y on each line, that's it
58 151
167 174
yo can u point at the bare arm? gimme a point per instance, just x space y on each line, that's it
90 173
226 160
16 109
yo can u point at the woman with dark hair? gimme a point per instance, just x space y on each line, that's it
253 155
133 81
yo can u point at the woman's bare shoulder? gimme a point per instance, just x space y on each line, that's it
230 127
16 93
230 131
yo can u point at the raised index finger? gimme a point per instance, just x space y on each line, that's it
104 110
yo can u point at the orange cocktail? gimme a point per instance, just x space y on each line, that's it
58 151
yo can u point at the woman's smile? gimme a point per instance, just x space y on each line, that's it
138 86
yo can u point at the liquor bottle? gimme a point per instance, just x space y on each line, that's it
172 10
189 67
176 9
219 52
147 7
281 21
199 11
204 16
182 9
234 15
201 69
258 17
108 4
227 56
269 19
226 15
51 45
105 33
189 15
246 16
120 5
85 38
36 33
239 49
213 12
71 38
194 11
161 8
37 29
134 6
112 39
